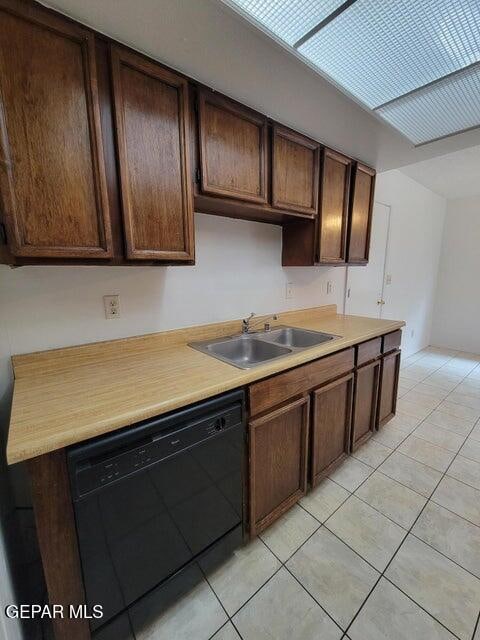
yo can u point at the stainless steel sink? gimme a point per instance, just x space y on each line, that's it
298 338
251 349
243 351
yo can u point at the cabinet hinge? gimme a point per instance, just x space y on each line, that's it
3 234
197 175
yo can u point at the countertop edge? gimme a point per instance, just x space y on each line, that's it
16 454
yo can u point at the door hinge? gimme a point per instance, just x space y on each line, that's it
3 234
197 175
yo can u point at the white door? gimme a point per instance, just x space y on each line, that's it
364 292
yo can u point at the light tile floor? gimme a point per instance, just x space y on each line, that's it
388 547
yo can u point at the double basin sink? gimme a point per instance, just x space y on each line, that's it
252 349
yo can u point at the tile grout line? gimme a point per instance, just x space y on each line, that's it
350 493
409 532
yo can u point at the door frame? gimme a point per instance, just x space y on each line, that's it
346 289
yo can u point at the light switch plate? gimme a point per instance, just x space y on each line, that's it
289 290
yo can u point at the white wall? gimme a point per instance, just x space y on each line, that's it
457 304
238 270
416 223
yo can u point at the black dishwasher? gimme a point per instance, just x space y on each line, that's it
151 498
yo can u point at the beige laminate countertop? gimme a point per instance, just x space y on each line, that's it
65 396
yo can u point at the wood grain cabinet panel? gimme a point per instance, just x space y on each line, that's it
365 403
391 341
360 219
387 401
152 123
278 445
295 170
233 149
333 213
331 423
271 392
52 177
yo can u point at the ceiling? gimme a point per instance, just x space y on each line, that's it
414 64
211 43
455 175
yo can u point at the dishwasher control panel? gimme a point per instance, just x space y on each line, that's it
91 473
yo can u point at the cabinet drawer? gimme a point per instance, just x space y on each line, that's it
367 351
277 389
391 341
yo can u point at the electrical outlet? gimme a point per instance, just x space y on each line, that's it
112 307
289 290
329 287
412 333
388 279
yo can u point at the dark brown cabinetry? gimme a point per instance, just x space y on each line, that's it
105 154
52 177
331 423
360 218
388 387
333 214
152 120
365 399
278 446
390 370
278 464
295 166
341 232
233 149
365 396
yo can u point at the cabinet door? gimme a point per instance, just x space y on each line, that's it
233 144
52 176
361 206
333 212
295 171
152 119
388 387
332 417
278 462
365 403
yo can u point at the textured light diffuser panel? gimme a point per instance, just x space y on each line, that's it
288 20
381 49
449 106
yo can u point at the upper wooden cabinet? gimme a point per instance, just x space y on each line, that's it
152 125
333 213
295 168
233 149
52 178
360 220
325 241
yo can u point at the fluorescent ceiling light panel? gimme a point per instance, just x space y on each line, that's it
289 21
442 109
380 50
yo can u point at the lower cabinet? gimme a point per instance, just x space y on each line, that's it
331 423
365 398
306 420
387 401
278 449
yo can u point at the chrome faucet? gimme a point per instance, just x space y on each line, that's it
247 323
